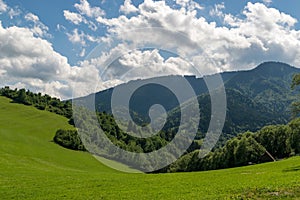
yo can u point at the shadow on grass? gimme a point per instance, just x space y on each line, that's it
292 169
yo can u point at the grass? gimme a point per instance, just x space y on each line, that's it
33 167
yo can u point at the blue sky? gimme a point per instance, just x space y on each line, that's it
51 14
49 40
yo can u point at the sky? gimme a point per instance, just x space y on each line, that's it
61 46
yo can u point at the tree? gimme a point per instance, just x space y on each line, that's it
294 139
22 97
68 139
275 138
295 105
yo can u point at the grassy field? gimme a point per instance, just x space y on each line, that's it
33 167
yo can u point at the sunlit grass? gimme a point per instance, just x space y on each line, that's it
33 167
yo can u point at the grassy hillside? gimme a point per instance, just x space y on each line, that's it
33 167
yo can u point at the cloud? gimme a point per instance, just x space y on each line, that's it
82 53
13 12
39 29
75 18
76 37
79 37
189 4
28 60
23 55
60 27
260 34
84 8
31 62
53 88
3 6
269 16
257 34
31 17
267 2
151 64
271 36
128 7
198 33
133 65
217 10
87 79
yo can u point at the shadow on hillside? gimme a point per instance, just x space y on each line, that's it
292 169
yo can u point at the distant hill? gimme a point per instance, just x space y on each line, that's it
255 98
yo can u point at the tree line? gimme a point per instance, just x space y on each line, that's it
38 100
273 142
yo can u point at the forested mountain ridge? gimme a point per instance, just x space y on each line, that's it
255 98
269 84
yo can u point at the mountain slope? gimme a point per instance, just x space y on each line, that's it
243 113
255 97
268 84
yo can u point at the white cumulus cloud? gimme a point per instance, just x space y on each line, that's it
128 7
73 17
31 62
259 35
189 4
76 37
84 8
31 17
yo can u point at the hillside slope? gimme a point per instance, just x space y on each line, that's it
33 167
266 87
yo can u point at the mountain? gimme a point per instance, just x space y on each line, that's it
258 97
255 98
268 84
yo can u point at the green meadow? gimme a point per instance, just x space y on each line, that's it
34 167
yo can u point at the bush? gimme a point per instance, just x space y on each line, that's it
69 139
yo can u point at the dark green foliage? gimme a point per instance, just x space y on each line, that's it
243 113
68 139
248 150
238 151
42 102
281 141
92 137
116 135
296 104
276 140
127 141
22 97
295 81
294 139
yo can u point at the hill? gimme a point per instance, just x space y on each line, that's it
255 98
33 167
